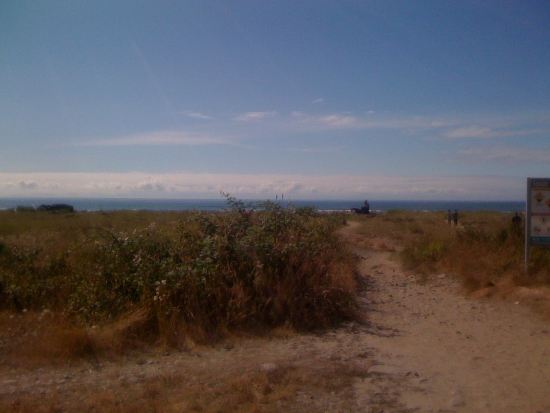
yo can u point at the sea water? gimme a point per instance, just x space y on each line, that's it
112 204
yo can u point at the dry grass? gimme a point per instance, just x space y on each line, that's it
286 388
30 339
376 244
484 250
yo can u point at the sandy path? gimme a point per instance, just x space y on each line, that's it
424 348
464 355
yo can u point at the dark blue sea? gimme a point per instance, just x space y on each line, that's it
112 204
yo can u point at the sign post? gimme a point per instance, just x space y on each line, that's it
537 215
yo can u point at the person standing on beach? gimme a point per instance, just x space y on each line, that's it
516 223
449 217
455 217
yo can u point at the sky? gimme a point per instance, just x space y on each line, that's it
320 99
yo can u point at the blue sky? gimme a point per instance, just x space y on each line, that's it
442 100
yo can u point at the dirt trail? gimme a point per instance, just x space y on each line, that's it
461 354
424 348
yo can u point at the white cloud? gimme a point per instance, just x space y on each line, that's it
470 132
149 185
197 115
478 132
160 138
502 155
320 100
338 120
27 185
255 115
316 150
369 121
183 185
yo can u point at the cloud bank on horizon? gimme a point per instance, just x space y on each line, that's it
209 186
404 100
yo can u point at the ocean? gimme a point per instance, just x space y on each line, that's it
113 204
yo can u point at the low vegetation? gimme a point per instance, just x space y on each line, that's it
84 289
485 250
172 277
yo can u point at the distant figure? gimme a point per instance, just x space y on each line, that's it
449 217
455 217
516 221
366 208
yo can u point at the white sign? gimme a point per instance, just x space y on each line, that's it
538 210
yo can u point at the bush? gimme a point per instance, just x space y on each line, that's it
255 265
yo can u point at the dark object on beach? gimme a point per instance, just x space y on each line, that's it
56 208
365 209
516 220
455 217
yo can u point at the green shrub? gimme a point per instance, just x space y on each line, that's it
255 265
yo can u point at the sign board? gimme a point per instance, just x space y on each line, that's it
537 215
538 210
